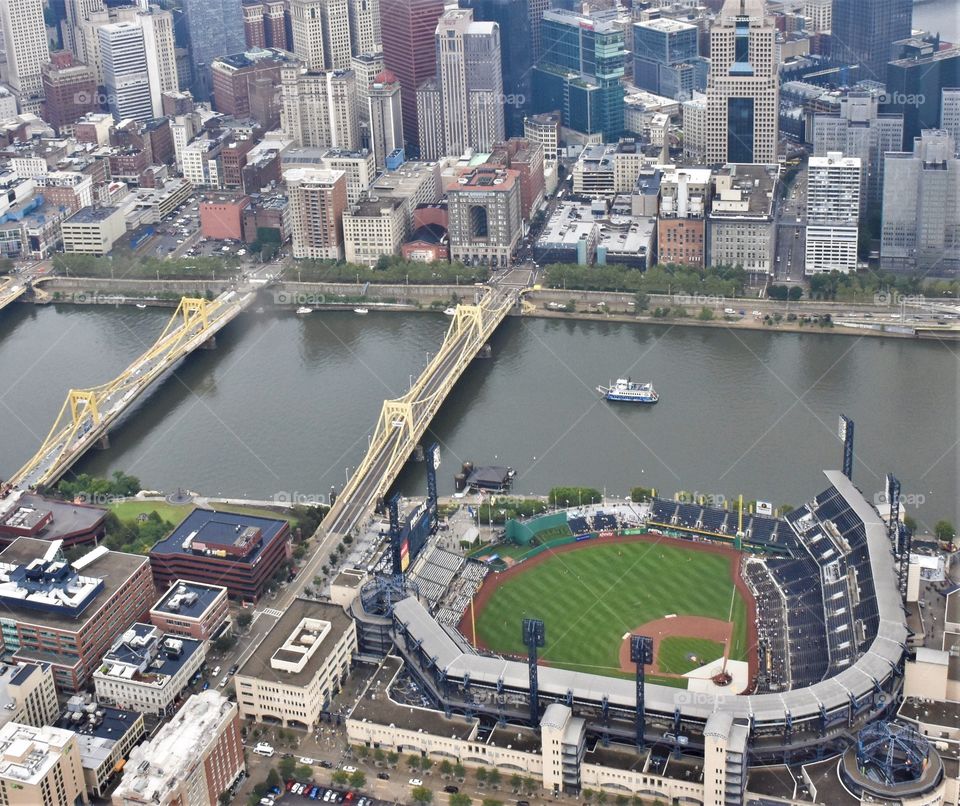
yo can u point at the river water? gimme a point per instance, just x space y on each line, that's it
941 16
285 404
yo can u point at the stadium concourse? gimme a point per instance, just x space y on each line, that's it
832 639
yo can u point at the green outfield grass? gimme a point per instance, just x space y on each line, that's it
126 510
591 597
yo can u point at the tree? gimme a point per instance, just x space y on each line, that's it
492 802
705 315
339 777
530 785
641 300
287 767
795 293
481 774
361 750
244 619
588 794
494 777
223 644
422 795
303 771
225 798
273 777
446 768
425 763
459 770
601 796
910 523
516 782
413 762
945 532
622 800
378 754
392 758
460 799
358 779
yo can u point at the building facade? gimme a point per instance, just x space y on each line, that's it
485 215
666 58
69 91
385 117
318 200
25 37
40 766
742 86
471 84
409 53
681 224
741 226
864 32
28 694
192 759
192 610
319 109
298 667
214 28
123 54
833 213
921 207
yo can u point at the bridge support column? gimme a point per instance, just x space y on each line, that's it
209 344
103 443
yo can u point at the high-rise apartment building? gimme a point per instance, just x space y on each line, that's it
265 24
695 131
126 80
75 11
321 33
666 59
742 86
366 67
833 213
410 54
535 10
214 28
365 26
317 201
516 54
921 207
471 85
580 71
159 43
864 32
319 109
25 38
385 113
819 13
430 119
860 130
69 91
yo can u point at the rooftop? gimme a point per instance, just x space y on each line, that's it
744 191
142 654
485 178
222 535
91 215
27 754
173 752
298 644
377 706
98 728
375 206
51 592
945 714
13 676
187 599
666 25
252 57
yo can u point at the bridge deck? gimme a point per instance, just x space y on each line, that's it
87 415
403 422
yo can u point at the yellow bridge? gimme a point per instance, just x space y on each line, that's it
403 421
12 289
88 414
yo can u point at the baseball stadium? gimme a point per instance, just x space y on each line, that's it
663 625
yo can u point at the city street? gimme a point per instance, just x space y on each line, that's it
791 235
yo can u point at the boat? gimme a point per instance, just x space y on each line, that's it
303 310
141 305
361 311
450 311
626 391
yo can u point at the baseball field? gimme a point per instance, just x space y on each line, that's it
592 595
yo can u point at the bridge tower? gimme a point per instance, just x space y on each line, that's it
641 654
534 637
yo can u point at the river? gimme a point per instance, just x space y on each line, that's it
285 404
939 15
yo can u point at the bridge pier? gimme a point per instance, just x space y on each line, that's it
485 352
102 443
209 344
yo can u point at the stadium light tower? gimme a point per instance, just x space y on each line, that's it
534 637
641 653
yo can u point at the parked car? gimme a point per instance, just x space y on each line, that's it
383 776
348 768
415 782
307 761
451 788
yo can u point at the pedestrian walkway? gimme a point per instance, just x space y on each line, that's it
272 611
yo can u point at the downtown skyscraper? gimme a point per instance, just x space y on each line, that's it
864 32
742 86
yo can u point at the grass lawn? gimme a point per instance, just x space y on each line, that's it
673 653
127 510
590 598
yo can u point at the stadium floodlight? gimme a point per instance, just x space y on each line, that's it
641 650
534 633
534 637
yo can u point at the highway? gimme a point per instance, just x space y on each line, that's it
16 285
88 414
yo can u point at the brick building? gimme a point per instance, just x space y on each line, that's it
69 91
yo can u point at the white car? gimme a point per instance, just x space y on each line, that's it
348 768
415 782
264 749
307 761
